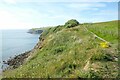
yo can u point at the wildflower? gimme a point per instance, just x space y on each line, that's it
104 44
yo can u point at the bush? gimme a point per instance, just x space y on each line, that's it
71 23
58 49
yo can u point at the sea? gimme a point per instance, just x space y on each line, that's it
15 42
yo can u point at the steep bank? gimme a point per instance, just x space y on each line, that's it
65 51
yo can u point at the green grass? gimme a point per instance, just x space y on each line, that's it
65 52
0 76
101 57
106 30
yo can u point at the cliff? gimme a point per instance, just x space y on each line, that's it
72 52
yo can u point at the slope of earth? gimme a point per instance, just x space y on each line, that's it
72 52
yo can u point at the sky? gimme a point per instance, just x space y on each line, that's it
26 14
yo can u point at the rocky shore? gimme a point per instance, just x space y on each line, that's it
17 60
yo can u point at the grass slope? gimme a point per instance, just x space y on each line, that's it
106 30
72 52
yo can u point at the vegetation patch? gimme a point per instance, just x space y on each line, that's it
101 57
91 74
71 23
58 49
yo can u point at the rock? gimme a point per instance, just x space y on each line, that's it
17 60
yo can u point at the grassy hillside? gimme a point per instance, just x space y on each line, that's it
106 30
72 52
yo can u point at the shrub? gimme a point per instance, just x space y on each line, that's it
58 49
71 23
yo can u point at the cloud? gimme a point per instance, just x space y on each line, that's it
106 13
10 1
25 18
86 5
29 15
10 21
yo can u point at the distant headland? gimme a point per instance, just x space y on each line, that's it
35 31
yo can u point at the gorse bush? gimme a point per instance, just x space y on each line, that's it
71 23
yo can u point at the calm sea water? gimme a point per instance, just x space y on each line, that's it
14 42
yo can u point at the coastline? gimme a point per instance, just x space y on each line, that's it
60 52
20 59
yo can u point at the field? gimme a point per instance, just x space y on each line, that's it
73 53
